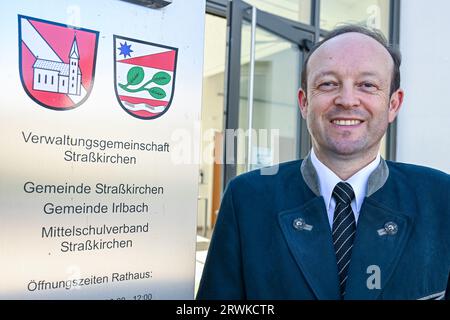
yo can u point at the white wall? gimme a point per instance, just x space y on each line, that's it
424 121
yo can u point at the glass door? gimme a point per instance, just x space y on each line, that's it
263 123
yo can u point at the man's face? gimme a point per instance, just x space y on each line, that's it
347 106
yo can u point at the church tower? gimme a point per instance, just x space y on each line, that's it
74 75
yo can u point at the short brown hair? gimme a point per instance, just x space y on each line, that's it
374 34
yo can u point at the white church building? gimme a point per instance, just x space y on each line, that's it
60 77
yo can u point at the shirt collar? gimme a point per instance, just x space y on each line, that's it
328 180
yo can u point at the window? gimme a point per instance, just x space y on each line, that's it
296 10
52 79
39 78
45 79
275 109
370 13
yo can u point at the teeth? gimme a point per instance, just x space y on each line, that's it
347 122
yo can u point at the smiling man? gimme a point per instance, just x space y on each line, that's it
352 84
343 223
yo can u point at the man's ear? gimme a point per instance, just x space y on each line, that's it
395 104
302 102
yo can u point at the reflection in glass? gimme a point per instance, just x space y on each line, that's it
209 189
370 13
297 10
275 111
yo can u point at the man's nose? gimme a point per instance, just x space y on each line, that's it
347 97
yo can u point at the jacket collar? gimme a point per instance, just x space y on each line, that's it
376 179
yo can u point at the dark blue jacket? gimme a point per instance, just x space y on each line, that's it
257 253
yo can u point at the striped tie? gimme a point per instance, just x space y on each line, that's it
344 228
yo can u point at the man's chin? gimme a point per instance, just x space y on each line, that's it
348 149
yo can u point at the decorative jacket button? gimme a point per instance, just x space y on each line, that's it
391 228
300 224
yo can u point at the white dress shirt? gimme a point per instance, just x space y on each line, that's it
328 180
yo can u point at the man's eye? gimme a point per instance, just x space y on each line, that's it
327 85
368 86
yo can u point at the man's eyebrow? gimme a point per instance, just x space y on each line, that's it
370 74
332 73
323 74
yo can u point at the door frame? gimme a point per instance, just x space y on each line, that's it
301 35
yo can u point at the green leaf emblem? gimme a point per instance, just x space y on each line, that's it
161 78
157 93
135 76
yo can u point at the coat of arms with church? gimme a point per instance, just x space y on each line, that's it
57 62
55 76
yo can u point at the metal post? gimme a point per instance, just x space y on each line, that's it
394 39
315 19
232 95
251 86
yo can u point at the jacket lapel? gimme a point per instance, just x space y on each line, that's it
312 249
375 256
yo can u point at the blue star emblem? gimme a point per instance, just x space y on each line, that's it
125 49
